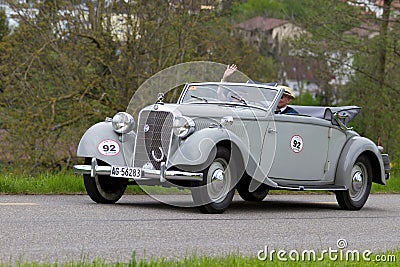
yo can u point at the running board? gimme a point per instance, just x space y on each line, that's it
312 187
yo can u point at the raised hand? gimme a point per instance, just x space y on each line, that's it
228 72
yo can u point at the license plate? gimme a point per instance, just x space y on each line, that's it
125 172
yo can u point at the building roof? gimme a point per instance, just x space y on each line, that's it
261 23
302 69
395 3
364 30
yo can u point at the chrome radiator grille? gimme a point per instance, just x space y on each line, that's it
153 138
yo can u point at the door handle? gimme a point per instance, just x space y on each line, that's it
271 130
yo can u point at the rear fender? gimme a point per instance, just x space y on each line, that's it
101 142
353 149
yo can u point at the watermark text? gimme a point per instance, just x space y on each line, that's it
339 253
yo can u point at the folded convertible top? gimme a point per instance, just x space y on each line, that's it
346 112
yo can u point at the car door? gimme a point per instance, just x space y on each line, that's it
295 148
337 140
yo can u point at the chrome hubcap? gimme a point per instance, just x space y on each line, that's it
218 180
218 175
358 181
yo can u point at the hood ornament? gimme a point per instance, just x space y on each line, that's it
160 99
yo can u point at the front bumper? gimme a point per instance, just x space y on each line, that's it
146 175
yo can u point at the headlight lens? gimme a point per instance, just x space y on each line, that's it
123 122
183 126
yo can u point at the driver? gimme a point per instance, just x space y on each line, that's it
282 107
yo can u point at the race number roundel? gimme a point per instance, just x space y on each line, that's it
296 143
108 148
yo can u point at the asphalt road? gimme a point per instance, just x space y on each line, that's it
65 228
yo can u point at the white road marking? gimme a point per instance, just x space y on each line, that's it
18 204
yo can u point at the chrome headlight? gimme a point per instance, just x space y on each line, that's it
123 122
183 126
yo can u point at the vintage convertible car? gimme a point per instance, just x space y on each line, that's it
222 137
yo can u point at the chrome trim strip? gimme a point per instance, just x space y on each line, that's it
305 188
161 175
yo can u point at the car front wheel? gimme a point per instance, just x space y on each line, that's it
361 180
218 187
102 188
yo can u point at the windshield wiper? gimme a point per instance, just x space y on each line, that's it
241 99
200 98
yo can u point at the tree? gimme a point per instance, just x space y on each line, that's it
71 65
370 63
252 8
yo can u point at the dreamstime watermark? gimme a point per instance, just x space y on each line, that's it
340 253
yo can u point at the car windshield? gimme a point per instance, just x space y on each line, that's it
241 94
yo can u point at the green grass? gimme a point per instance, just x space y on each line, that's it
62 183
66 182
45 183
229 260
392 186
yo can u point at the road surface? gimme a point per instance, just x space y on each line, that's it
65 228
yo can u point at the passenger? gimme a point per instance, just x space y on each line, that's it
282 107
222 93
228 72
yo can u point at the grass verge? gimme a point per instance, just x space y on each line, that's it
69 183
62 183
392 186
389 258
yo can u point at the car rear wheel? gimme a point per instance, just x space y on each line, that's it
102 188
218 187
244 190
361 180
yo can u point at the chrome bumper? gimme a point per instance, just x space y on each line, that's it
162 175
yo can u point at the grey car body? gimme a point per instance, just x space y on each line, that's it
222 137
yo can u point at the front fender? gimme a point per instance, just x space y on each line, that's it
197 151
119 147
354 147
200 148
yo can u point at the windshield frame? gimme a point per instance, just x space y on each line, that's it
279 92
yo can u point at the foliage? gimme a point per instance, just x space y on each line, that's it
365 68
252 8
68 67
293 10
306 99
4 30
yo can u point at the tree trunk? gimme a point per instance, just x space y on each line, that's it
383 48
